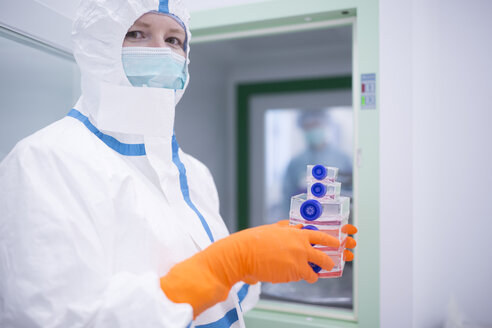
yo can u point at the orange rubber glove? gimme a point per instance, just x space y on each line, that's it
273 253
349 242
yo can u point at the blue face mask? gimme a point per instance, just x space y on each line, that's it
315 137
154 67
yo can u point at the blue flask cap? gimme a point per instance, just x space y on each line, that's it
319 172
318 189
311 209
310 227
316 268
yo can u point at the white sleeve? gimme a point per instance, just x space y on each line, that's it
54 265
248 295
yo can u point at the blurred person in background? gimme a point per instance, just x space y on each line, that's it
320 149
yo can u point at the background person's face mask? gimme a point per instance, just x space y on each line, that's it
315 137
154 67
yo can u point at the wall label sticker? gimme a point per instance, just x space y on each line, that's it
368 91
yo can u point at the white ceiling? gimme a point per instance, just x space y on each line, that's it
67 7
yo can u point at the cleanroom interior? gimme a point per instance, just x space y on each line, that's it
422 262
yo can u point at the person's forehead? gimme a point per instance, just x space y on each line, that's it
154 20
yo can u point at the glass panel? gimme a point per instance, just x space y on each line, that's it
260 211
37 87
293 139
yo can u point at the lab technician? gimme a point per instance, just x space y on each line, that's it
106 222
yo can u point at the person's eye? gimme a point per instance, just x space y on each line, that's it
174 41
136 35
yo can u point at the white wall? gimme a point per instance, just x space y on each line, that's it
452 114
49 77
36 89
38 21
435 74
396 165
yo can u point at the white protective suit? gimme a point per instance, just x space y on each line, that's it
96 207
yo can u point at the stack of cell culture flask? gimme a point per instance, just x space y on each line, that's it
323 209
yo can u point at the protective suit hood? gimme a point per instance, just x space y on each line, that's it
108 98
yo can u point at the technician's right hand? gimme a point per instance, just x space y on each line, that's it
271 253
277 253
